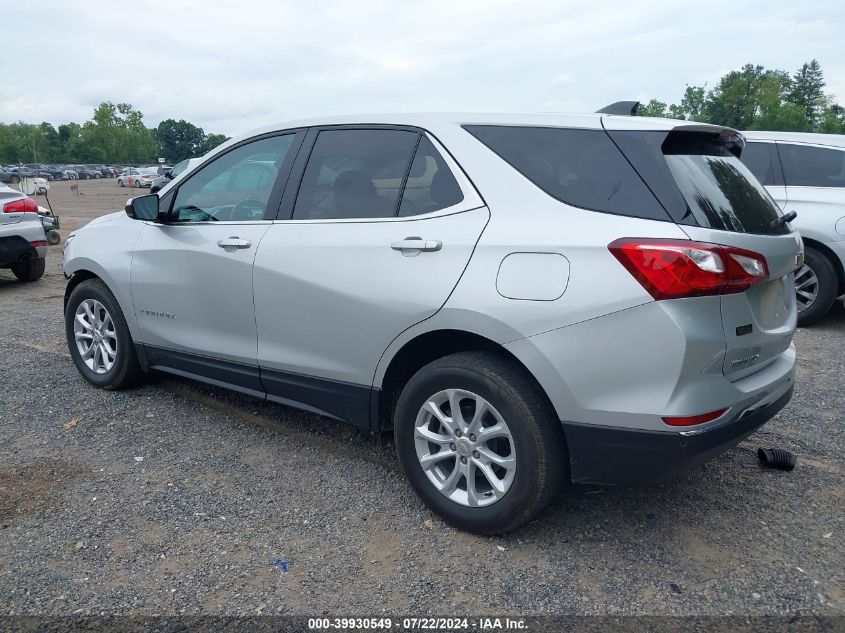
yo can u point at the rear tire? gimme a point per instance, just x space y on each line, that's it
30 271
120 182
820 266
535 442
15 180
125 371
53 237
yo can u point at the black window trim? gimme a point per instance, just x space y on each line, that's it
276 193
298 171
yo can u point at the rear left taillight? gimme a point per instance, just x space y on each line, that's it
24 205
672 269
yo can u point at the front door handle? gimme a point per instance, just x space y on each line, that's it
411 246
234 242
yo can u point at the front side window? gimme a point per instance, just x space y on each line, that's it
808 166
235 187
355 174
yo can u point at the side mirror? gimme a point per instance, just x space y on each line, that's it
169 174
143 207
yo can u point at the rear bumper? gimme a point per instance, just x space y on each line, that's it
16 249
622 456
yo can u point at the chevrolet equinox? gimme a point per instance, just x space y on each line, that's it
522 300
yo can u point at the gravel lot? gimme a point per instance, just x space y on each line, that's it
179 498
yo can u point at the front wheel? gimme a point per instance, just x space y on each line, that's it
98 338
815 287
479 442
29 271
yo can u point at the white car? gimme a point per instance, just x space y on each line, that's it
805 173
136 177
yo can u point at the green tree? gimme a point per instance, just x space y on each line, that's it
807 91
653 108
210 142
179 140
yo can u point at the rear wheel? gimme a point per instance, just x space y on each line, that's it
120 182
815 287
479 442
15 180
98 338
53 237
29 271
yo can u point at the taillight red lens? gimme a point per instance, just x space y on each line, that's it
38 243
671 269
24 205
692 420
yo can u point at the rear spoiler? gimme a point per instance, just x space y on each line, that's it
624 108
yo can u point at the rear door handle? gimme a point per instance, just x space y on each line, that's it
416 245
234 242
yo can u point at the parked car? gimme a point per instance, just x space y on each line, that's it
522 300
161 181
805 173
23 245
84 172
105 172
136 177
56 172
9 176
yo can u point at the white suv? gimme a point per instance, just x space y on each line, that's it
522 300
805 173
23 244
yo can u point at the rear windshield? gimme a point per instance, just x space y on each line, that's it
700 180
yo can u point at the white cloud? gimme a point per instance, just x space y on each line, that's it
231 66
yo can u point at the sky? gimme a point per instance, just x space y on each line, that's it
233 66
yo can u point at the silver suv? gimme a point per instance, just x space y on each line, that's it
522 300
23 245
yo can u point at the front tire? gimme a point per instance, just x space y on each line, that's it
98 338
30 271
497 464
815 287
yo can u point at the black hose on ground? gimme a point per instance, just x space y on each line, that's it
778 458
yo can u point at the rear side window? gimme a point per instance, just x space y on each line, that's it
355 174
582 168
807 166
758 158
700 181
431 186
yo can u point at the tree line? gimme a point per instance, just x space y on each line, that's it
758 98
116 134
753 98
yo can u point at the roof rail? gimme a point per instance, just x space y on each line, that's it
625 108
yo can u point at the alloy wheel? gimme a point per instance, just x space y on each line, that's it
95 335
465 448
806 287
